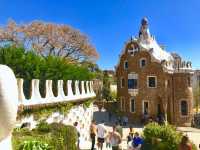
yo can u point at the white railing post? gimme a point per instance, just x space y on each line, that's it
82 89
61 94
87 88
21 96
35 94
77 92
91 88
49 93
69 90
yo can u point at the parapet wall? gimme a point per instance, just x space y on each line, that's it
12 96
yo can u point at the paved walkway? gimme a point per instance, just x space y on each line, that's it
193 134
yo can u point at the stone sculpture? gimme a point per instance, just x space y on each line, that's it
8 106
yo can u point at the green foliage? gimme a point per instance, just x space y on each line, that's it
107 94
163 137
58 137
87 103
29 65
34 145
42 112
67 135
43 126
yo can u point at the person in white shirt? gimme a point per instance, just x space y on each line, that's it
101 131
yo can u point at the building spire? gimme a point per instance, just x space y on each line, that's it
144 30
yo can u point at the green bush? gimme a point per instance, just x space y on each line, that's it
34 145
161 137
59 137
43 126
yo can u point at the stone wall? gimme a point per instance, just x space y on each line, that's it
77 113
171 89
12 97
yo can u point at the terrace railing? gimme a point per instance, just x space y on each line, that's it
85 91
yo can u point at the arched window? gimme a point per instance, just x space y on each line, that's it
184 108
132 105
126 64
142 62
122 82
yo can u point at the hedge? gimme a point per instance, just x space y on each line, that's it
57 137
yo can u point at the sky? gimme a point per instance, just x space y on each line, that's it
110 23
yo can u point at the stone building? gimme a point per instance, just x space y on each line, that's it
153 82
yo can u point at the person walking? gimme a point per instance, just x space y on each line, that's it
101 131
137 141
185 144
115 139
130 135
93 133
119 129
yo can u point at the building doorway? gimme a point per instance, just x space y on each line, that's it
159 109
145 107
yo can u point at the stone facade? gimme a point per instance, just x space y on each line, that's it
152 81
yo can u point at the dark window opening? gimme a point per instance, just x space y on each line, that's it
184 108
146 107
132 105
122 82
126 64
143 62
152 82
132 83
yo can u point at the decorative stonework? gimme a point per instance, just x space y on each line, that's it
12 98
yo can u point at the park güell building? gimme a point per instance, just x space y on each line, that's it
151 81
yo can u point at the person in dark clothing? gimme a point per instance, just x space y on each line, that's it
93 133
137 141
130 135
78 134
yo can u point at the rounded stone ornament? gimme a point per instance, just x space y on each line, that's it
8 102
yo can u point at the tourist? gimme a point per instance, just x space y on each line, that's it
93 133
130 135
78 134
126 120
119 129
115 139
108 144
101 131
185 145
137 142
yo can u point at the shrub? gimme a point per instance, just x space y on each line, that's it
163 137
59 137
43 126
34 145
67 135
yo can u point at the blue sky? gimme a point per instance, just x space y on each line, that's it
109 23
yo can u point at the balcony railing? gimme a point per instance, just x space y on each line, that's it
82 92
